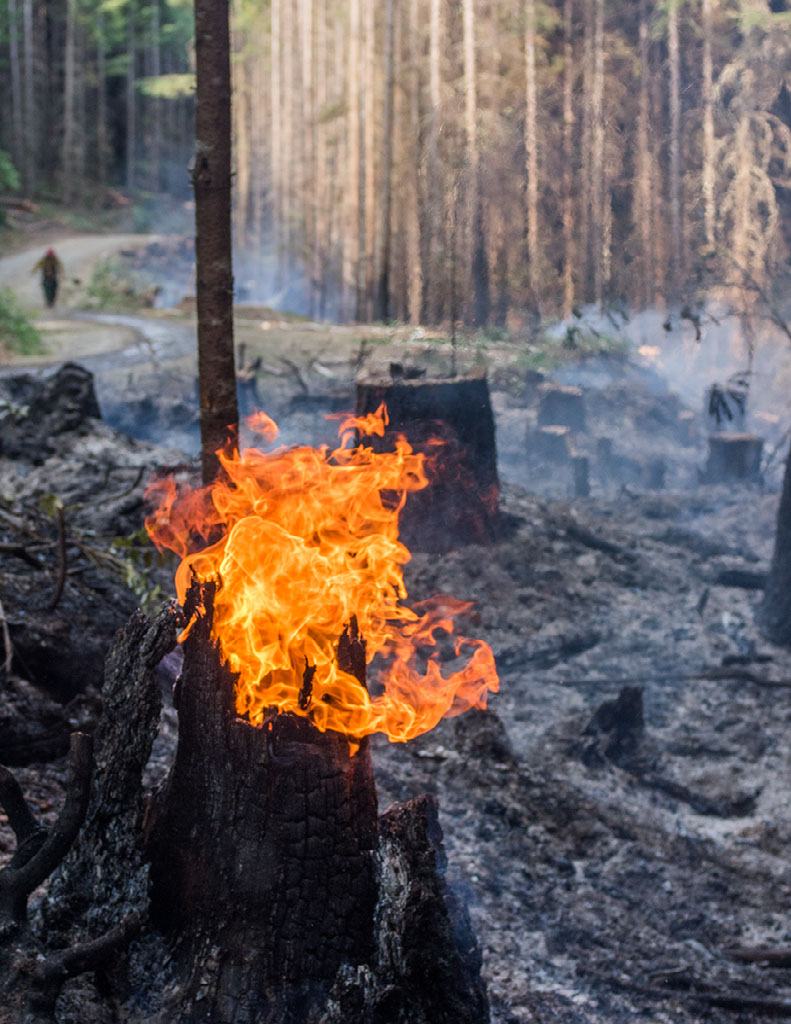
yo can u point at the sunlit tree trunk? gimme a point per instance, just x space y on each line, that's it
383 284
351 249
212 183
644 185
414 248
479 269
531 146
322 184
600 192
432 302
243 138
308 182
288 135
67 160
16 84
31 114
369 106
708 169
674 102
276 149
569 255
586 184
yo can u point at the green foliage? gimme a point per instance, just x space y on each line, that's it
17 333
139 562
114 286
168 87
9 178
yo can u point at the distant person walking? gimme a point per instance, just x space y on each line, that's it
51 269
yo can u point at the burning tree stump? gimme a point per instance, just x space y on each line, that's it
460 504
261 850
733 457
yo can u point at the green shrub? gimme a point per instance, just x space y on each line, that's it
17 333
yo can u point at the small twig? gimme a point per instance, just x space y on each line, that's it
297 372
7 646
61 559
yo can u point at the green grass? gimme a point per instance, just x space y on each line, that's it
17 333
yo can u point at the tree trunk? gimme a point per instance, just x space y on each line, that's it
435 276
599 191
67 160
131 102
155 156
351 248
412 170
531 146
569 254
644 184
481 304
383 284
369 118
211 178
31 118
676 241
17 110
276 148
102 147
708 170
774 613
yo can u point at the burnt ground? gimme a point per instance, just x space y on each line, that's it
611 863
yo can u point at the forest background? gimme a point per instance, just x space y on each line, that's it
485 161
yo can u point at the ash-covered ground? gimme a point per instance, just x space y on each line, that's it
613 853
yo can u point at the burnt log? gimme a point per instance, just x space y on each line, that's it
460 504
551 444
733 457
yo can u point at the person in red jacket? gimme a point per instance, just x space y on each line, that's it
51 269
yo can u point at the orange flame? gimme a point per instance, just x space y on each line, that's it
264 425
299 540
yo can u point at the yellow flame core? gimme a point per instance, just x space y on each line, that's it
299 540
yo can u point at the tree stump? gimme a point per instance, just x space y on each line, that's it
460 504
551 444
561 406
580 467
733 457
261 848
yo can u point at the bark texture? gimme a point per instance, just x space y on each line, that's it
774 613
211 179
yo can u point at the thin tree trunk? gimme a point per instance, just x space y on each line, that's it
383 287
131 104
676 242
31 114
414 248
369 88
17 111
351 250
319 271
276 150
67 159
308 182
774 614
243 139
479 269
156 102
102 148
645 185
586 204
600 215
531 146
708 170
569 255
212 183
432 302
288 135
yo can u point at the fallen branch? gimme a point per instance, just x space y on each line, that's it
767 957
17 881
21 552
50 975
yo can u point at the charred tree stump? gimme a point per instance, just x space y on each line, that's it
261 851
551 444
733 457
460 504
774 612
561 406
580 469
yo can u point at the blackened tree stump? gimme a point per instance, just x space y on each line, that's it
561 406
460 504
733 457
550 444
774 612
